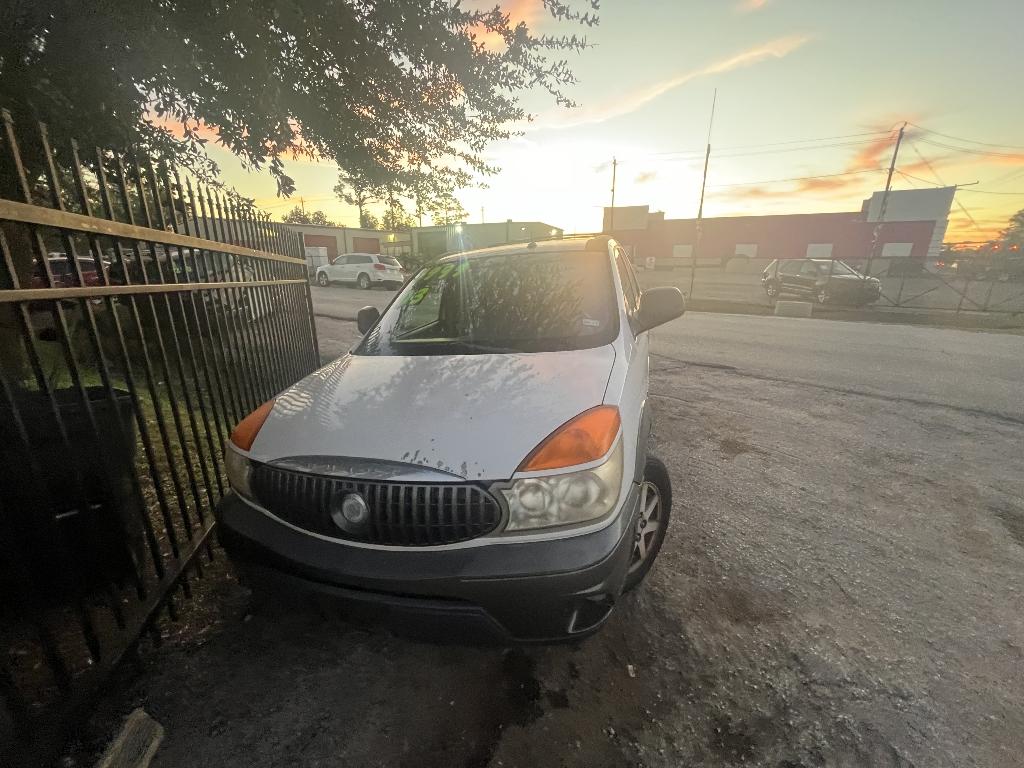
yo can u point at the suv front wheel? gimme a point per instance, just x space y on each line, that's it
364 281
322 280
652 523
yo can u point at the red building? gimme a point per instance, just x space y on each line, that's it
915 223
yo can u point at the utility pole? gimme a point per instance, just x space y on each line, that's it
700 208
611 216
302 203
885 201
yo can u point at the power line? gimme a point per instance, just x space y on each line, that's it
968 150
808 142
797 178
989 192
969 141
906 175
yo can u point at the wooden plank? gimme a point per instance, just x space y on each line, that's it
51 217
135 745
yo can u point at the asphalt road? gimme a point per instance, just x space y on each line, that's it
841 585
339 302
964 369
982 372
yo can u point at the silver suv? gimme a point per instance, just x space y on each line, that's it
479 459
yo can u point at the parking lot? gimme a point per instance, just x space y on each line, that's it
842 584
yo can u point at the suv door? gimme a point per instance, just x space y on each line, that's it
336 269
359 264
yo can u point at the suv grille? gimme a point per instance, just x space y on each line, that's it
404 514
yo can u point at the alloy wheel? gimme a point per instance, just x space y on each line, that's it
648 526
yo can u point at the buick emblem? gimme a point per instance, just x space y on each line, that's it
350 511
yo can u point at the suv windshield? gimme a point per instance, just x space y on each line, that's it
532 302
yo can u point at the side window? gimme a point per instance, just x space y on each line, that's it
364 260
790 267
810 269
629 292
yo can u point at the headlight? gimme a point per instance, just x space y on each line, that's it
239 470
565 499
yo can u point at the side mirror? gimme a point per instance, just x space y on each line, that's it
366 317
658 306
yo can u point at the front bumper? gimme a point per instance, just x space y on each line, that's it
538 591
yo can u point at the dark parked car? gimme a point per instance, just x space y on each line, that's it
822 280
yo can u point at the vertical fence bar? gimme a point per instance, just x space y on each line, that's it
213 298
137 402
154 394
103 367
190 406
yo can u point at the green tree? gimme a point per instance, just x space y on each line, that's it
298 216
353 189
446 209
395 216
1014 232
408 90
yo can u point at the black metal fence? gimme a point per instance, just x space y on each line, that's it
142 315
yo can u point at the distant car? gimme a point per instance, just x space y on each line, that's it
362 269
822 280
64 274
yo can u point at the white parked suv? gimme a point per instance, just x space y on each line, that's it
478 460
362 269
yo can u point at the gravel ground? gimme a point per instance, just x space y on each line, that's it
842 585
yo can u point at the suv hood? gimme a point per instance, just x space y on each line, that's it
472 416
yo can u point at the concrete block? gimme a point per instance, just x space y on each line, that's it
135 745
793 308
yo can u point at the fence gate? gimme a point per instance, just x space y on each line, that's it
142 314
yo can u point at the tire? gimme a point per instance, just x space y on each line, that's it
322 280
363 282
823 296
771 288
647 545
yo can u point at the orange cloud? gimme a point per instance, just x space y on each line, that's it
527 12
1011 160
748 6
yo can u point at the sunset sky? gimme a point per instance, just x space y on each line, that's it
806 88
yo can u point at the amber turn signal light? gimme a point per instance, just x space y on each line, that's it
245 433
583 439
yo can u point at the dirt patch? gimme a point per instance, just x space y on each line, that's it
1012 520
733 447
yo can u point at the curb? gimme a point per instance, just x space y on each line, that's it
343 318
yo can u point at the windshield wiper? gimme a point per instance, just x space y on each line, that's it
461 345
